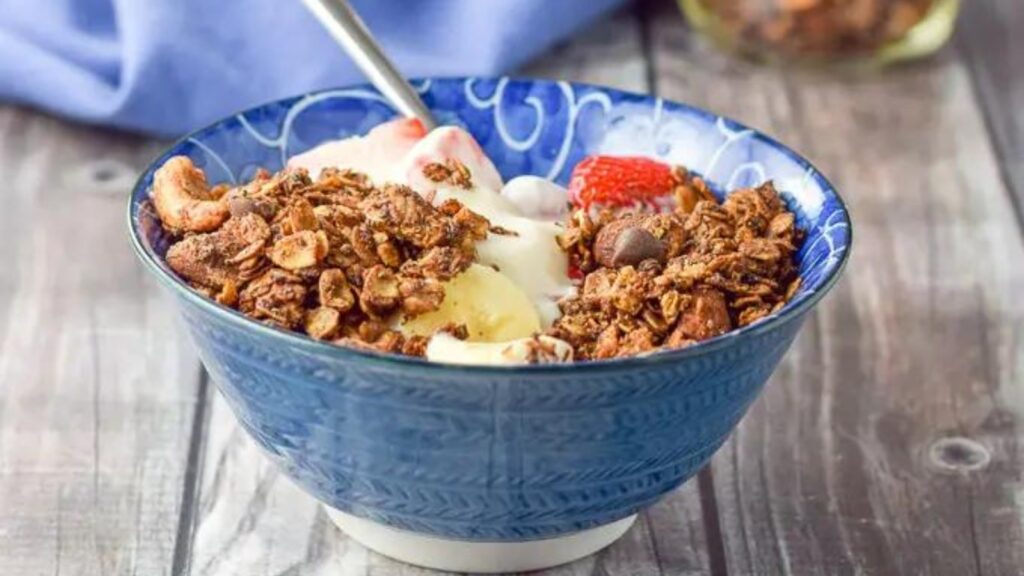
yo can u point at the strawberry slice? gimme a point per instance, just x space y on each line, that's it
401 130
619 181
375 154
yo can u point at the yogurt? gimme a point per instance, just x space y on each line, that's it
527 208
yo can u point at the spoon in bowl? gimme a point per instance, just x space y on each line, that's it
348 29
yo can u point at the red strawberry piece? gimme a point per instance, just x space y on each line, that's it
619 181
402 129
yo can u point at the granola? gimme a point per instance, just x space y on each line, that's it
654 280
647 259
332 257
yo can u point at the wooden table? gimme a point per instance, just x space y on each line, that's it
889 441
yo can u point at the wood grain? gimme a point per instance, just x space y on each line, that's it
889 442
253 521
97 395
839 469
989 38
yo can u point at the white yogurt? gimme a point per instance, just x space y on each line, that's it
527 206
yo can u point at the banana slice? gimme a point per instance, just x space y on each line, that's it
539 350
491 306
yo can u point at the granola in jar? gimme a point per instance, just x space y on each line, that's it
819 30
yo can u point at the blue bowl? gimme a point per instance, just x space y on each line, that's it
497 453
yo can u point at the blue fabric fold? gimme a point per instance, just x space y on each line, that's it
169 66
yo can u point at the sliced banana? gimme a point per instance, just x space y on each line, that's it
488 303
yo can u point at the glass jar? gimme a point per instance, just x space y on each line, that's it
856 31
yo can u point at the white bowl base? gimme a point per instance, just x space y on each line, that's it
487 557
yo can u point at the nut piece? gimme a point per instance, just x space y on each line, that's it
625 243
299 250
184 201
323 323
335 291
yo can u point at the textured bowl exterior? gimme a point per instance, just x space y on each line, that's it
498 454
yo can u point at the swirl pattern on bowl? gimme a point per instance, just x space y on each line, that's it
486 453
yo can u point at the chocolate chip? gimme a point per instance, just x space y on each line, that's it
626 243
635 245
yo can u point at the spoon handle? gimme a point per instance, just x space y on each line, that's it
338 17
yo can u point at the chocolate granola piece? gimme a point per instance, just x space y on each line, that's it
474 225
276 297
299 250
637 341
323 323
299 216
451 171
364 244
406 215
752 209
600 283
441 263
691 190
380 294
707 223
608 343
415 346
705 317
420 295
215 258
578 238
335 291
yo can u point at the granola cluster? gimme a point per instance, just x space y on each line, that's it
819 27
339 259
334 258
655 280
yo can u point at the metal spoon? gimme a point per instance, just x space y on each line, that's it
338 17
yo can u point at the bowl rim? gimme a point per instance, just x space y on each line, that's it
371 358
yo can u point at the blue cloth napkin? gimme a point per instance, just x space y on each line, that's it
169 66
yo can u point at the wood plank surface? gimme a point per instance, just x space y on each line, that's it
97 393
990 38
253 521
890 441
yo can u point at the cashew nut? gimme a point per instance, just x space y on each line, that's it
184 201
